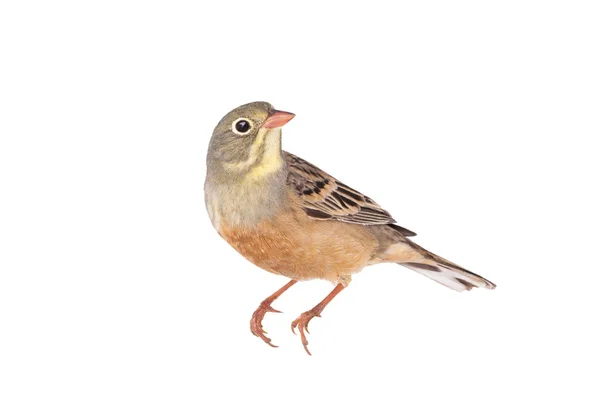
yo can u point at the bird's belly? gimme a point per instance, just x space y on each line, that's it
300 248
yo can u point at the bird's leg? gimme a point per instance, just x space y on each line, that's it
302 321
265 307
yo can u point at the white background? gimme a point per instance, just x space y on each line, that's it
474 123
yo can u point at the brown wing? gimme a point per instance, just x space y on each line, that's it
323 197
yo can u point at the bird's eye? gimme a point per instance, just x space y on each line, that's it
241 126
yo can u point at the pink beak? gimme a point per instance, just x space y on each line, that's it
277 119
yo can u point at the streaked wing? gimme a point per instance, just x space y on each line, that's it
324 197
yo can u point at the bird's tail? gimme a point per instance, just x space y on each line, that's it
445 272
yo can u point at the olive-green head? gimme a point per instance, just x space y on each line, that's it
247 141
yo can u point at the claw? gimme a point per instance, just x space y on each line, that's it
302 324
307 351
256 326
268 308
302 321
265 306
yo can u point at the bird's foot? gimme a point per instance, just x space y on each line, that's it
302 324
256 321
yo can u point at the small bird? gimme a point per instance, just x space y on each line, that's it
291 218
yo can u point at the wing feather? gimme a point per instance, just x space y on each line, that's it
324 197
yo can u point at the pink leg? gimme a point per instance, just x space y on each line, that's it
302 321
265 307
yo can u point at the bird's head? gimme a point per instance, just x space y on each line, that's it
246 143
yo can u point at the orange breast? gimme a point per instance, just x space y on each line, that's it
300 248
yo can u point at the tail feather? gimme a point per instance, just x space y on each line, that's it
451 276
408 253
446 272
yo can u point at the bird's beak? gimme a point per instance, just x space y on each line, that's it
277 119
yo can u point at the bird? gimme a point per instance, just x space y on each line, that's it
291 218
